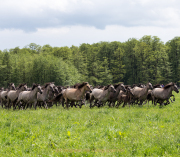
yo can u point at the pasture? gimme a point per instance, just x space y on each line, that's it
135 131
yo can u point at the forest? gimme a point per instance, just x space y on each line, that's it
133 61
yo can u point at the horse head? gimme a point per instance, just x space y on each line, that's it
175 88
39 89
12 86
110 88
123 88
56 90
88 88
51 85
149 85
23 87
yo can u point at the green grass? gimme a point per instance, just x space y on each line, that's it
136 131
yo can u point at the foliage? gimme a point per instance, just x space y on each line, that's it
134 61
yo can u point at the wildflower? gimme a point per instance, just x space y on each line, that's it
120 133
69 133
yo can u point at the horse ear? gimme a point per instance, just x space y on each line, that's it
85 83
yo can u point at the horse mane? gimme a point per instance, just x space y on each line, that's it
22 84
106 87
47 84
82 85
34 86
156 86
140 84
76 85
126 86
168 85
116 85
134 85
99 87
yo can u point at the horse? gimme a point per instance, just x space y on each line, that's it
113 97
126 97
52 94
162 94
76 94
49 87
4 94
101 95
149 97
29 97
12 95
140 94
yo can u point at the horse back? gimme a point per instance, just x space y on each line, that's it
71 93
161 93
3 94
97 93
24 95
12 95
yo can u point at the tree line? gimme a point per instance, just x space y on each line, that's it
133 61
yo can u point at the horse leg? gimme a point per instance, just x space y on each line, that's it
72 104
113 104
109 104
171 99
63 103
67 105
90 101
141 103
14 107
145 102
35 104
124 104
8 104
80 103
100 104
45 105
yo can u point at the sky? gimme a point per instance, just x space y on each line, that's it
73 22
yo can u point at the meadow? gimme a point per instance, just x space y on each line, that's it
136 131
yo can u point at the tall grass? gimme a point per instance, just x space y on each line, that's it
135 131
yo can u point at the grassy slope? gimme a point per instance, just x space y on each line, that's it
135 131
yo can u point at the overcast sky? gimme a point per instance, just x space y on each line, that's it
73 22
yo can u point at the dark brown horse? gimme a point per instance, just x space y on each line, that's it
113 97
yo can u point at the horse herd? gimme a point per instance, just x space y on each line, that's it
22 97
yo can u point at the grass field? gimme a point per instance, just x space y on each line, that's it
136 131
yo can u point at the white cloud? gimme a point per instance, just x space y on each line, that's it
72 22
76 35
32 14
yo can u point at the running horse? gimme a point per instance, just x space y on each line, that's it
76 94
162 94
